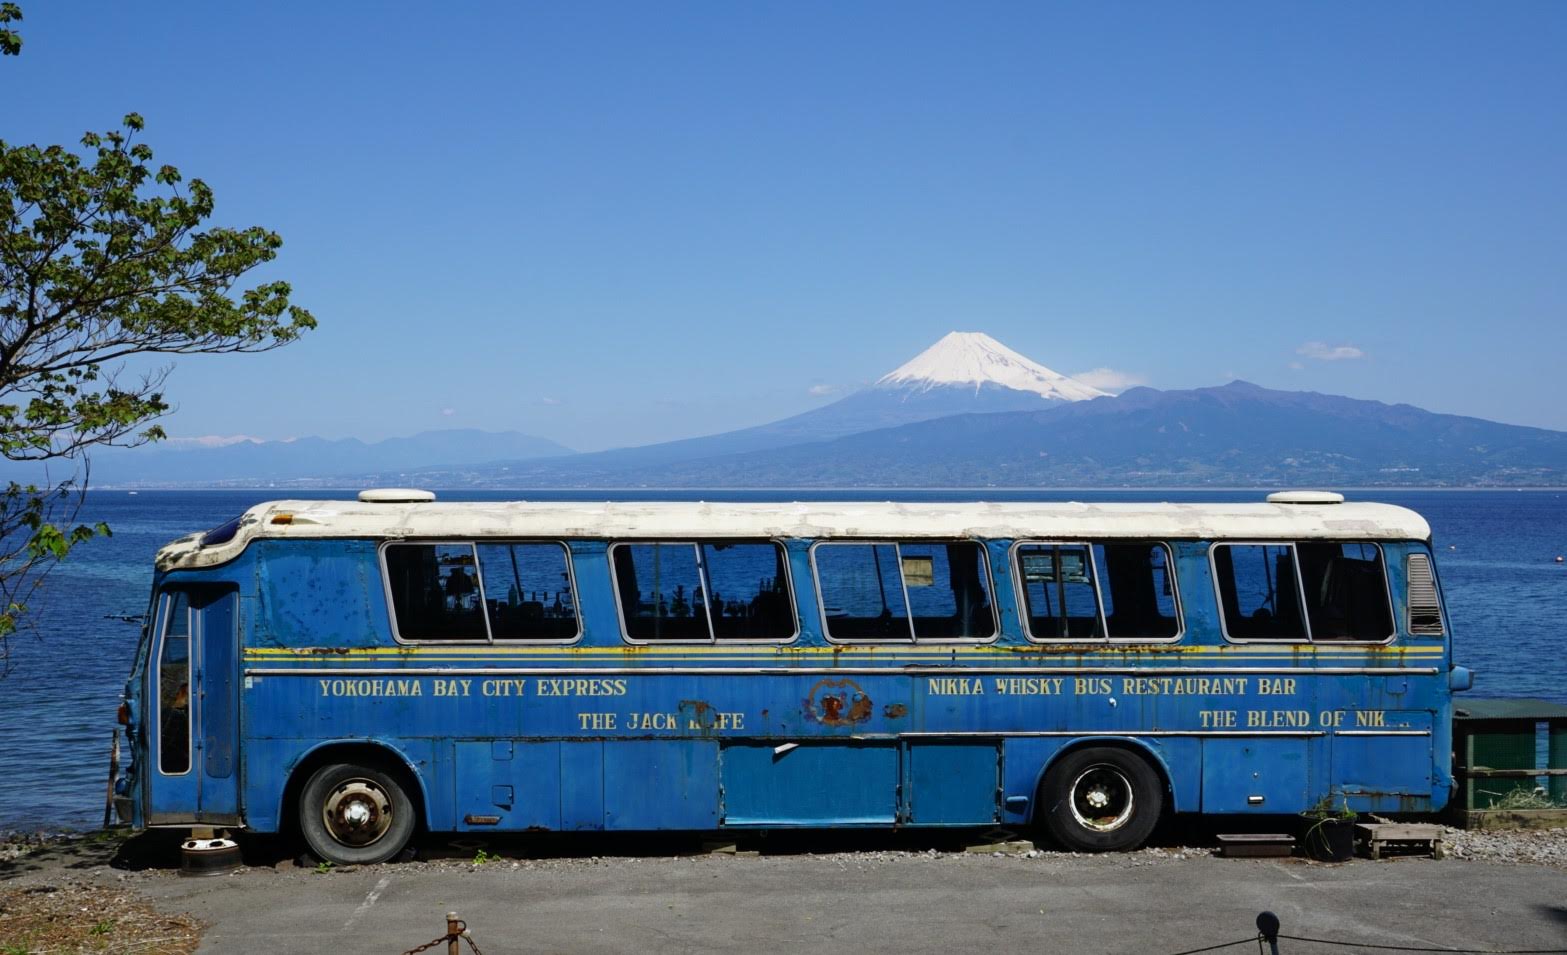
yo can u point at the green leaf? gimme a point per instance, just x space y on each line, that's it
10 40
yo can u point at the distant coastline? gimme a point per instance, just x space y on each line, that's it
353 489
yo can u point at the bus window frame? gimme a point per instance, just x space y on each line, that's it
1300 590
702 575
1020 586
156 668
478 573
990 579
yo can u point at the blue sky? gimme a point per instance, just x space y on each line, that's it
611 224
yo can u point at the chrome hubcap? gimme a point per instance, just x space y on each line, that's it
1101 799
357 813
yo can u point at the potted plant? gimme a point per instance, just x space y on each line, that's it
1328 833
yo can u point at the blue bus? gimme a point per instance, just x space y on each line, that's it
356 671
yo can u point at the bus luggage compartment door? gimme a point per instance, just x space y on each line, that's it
1386 767
954 784
587 784
1254 775
810 784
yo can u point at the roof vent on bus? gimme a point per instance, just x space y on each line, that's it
395 495
1305 497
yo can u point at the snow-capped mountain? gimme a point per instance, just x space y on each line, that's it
974 359
963 373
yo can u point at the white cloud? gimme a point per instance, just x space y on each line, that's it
1322 351
550 401
1296 366
821 391
1108 379
448 412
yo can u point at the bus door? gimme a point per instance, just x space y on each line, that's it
191 707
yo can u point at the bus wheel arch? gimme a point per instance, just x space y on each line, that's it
377 797
1102 795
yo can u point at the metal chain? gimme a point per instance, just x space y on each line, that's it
428 945
461 933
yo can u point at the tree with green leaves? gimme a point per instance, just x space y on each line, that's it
105 257
10 40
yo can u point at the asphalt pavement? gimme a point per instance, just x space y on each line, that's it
870 899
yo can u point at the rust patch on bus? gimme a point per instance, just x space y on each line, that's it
894 710
697 713
837 703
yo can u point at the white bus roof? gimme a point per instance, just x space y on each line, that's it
631 520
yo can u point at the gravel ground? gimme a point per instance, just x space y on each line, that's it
85 915
14 845
864 860
1546 847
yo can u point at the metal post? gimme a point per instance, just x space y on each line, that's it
114 770
452 931
1268 926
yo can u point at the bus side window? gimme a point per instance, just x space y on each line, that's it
704 591
951 599
909 590
861 591
1259 592
1346 591
527 591
1058 591
748 591
1138 592
661 594
174 688
435 591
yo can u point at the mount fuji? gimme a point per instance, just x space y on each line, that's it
963 373
974 360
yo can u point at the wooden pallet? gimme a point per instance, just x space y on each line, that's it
1375 837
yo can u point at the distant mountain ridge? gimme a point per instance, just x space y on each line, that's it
968 411
268 462
1234 435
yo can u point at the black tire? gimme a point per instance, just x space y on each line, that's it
1100 799
355 814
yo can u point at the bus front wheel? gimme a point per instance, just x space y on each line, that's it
355 815
1101 799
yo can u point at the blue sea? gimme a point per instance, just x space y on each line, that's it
1496 550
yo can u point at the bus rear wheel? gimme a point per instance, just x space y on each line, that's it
355 815
1101 799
